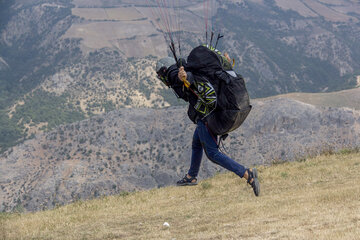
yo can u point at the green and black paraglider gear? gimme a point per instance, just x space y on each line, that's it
224 62
207 101
203 90
233 102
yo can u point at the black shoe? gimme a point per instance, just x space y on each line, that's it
255 183
187 181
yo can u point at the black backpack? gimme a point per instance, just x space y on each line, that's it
233 103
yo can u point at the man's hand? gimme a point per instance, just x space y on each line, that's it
182 74
183 77
226 55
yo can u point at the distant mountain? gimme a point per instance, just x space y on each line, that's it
62 61
293 46
131 149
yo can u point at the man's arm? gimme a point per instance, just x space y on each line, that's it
176 84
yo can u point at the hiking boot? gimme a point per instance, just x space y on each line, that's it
253 176
187 181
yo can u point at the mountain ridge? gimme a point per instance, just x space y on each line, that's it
97 56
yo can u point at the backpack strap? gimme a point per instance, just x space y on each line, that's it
224 76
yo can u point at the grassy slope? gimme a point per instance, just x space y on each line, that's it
313 199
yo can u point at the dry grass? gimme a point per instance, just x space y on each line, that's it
347 98
313 199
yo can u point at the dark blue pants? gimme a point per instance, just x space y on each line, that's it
203 139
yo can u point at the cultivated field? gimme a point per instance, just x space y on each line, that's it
119 14
331 10
133 30
308 199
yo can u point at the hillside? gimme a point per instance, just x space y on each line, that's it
309 199
62 61
133 149
346 98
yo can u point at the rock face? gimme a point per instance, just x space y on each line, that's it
133 149
3 64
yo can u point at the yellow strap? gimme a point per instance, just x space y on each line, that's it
186 82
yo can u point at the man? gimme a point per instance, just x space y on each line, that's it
203 138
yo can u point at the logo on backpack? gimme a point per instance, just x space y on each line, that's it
207 103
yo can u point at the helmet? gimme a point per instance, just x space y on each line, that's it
164 62
161 67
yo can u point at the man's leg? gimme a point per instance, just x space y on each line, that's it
196 156
209 143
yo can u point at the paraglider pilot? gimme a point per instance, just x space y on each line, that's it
173 75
